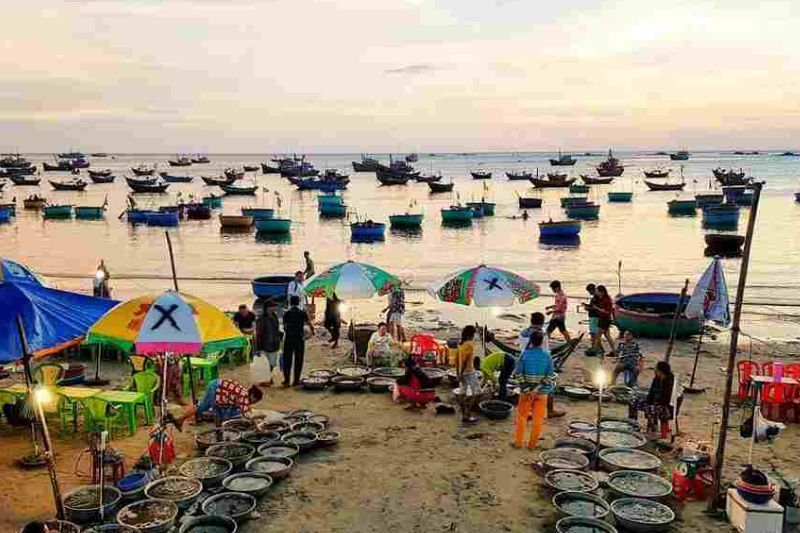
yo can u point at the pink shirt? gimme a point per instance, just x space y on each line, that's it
560 308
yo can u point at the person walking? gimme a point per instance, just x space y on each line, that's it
594 301
396 311
297 288
268 339
558 311
535 369
308 273
294 344
604 307
469 378
333 319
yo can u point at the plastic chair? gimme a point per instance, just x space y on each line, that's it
766 369
147 383
416 395
102 416
140 363
48 374
67 409
746 369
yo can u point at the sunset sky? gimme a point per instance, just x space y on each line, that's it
398 75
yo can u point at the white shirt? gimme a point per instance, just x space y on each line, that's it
525 337
296 288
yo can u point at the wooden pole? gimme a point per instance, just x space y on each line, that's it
719 456
172 261
675 317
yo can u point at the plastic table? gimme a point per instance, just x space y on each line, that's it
204 368
128 400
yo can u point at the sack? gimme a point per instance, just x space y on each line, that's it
259 368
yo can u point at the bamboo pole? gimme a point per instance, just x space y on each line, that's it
719 456
675 317
175 284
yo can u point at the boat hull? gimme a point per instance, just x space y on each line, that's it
583 211
198 212
235 221
89 213
462 215
540 183
529 203
231 190
330 199
258 213
372 232
57 211
664 186
440 187
169 178
708 199
724 245
724 216
212 202
573 200
519 177
650 315
406 221
682 207
138 216
5 215
559 229
162 219
620 197
487 208
332 210
273 225
578 188
481 175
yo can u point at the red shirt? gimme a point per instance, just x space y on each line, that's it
231 394
560 307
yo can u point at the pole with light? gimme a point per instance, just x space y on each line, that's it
600 379
42 396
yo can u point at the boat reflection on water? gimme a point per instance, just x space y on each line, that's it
235 230
273 238
411 233
457 224
559 241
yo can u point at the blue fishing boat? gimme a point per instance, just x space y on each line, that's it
585 211
90 212
5 214
330 186
12 208
273 288
258 213
564 228
682 207
330 199
138 216
163 219
620 196
273 225
477 210
739 195
170 178
486 207
332 210
367 231
723 215
708 199
212 201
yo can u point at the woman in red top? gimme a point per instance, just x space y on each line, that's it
604 309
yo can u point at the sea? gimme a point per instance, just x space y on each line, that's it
634 247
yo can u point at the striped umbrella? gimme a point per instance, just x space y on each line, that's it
351 281
484 286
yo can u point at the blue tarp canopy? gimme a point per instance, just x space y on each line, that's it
53 319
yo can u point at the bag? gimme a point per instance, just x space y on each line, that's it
259 368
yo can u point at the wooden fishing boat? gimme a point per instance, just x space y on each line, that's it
14 161
79 163
529 203
11 207
406 221
170 178
24 181
657 173
589 180
578 188
61 166
730 177
273 225
682 207
239 190
235 221
651 314
481 175
102 178
610 167
212 201
367 164
180 162
57 211
620 196
571 200
563 160
69 185
708 199
83 212
332 210
258 212
432 178
584 211
163 219
519 176
564 228
367 231
267 169
146 186
143 170
5 214
393 178
100 173
200 160
457 214
721 216
549 183
664 186
34 202
299 169
198 211
71 155
216 181
486 207
250 168
723 244
233 174
440 187
680 155
18 171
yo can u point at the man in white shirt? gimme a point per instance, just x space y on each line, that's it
297 288
537 324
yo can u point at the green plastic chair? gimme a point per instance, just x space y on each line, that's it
102 416
48 374
147 383
67 409
140 363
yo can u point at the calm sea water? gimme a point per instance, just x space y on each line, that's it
657 251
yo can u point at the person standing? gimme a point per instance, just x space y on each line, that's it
100 287
537 326
558 311
396 312
297 288
604 307
268 339
308 273
469 378
333 319
535 369
294 345
590 310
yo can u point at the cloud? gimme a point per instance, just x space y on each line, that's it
418 68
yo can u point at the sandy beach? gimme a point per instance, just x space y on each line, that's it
399 470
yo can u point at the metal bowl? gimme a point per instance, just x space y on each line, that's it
323 373
380 384
199 524
582 504
314 427
388 372
637 484
353 371
279 449
314 383
561 459
81 506
320 419
276 467
614 459
210 471
639 514
577 524
305 440
328 438
210 437
61 526
257 438
496 409
624 424
302 413
585 447
293 419
149 516
436 375
183 491
254 483
570 480
238 453
239 424
581 425
348 383
577 393
278 426
612 438
235 505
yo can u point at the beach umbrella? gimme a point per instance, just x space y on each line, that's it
351 281
709 302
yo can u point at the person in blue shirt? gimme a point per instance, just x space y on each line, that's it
535 372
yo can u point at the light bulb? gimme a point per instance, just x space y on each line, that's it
43 395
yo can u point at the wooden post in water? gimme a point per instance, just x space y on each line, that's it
675 317
719 456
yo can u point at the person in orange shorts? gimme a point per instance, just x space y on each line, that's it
535 370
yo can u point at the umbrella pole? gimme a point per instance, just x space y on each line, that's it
677 314
690 389
96 381
175 284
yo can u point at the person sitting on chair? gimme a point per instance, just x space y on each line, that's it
631 360
380 349
415 386
226 398
657 406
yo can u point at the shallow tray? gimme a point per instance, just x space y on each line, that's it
239 424
614 459
639 514
586 447
570 480
328 438
314 383
235 505
353 371
625 424
577 524
254 483
149 516
304 440
238 453
583 504
210 471
380 384
388 372
276 467
201 524
207 438
257 438
560 459
612 438
179 489
279 449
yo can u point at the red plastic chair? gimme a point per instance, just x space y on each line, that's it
791 399
746 370
766 369
424 349
414 394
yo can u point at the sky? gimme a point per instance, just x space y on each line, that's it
246 76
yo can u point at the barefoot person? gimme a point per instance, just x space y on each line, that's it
537 325
469 378
226 398
535 370
657 406
333 319
631 360
558 312
294 346
268 339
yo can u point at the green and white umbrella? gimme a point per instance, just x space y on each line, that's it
484 286
351 281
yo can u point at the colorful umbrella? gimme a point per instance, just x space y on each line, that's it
170 322
351 281
709 299
484 286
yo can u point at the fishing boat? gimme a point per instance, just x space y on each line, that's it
708 199
367 164
680 155
730 177
170 178
589 180
99 154
299 169
555 182
79 163
57 211
146 185
428 178
332 209
481 175
393 178
212 201
200 160
620 196
216 181
181 161
5 214
143 170
330 199
233 174
739 195
12 207
723 244
797 197
83 212
440 187
610 167
721 216
578 188
563 160
560 229
457 214
274 226
239 190
198 211
267 169
657 173
250 168
368 231
584 211
69 185
162 219
14 161
24 181
406 221
653 186
235 221
682 207
651 315
519 176
105 173
487 208
60 166
412 158
34 202
138 216
477 211
571 200
258 213
788 154
529 202
71 155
